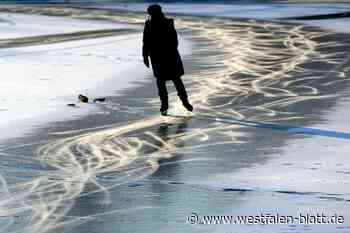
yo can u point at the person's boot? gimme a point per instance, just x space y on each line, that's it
164 108
187 104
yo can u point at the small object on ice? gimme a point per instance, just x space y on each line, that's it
83 98
71 105
99 99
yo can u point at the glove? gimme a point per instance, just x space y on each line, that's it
145 61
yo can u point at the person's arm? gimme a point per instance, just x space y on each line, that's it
145 46
173 34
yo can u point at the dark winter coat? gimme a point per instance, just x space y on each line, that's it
160 44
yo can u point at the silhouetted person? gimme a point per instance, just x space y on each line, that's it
160 44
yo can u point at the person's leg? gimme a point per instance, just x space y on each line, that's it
163 95
181 92
180 88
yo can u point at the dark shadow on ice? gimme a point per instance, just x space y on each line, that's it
319 17
286 128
